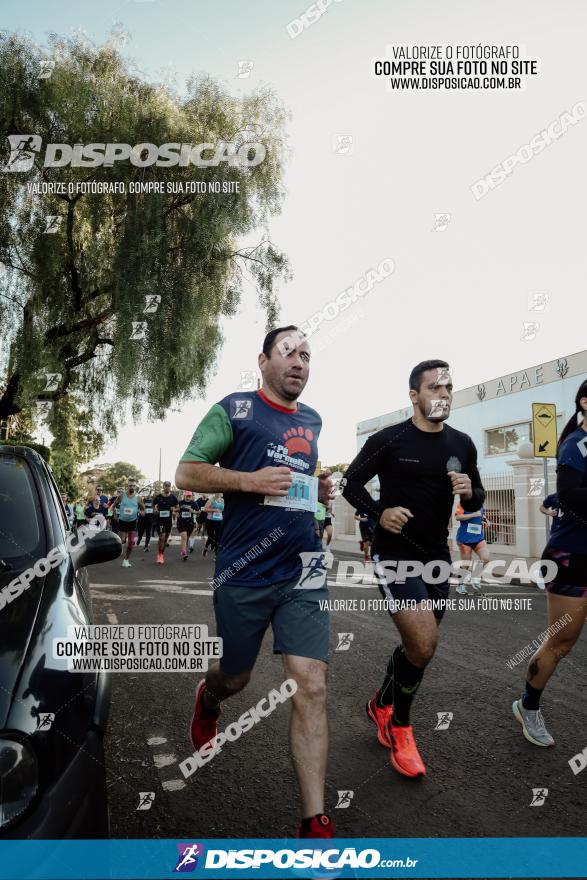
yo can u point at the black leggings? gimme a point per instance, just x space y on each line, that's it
214 529
145 526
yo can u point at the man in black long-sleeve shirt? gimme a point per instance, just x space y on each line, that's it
421 464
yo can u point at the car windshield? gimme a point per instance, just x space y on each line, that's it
22 538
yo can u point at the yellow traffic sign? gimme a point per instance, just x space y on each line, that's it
544 429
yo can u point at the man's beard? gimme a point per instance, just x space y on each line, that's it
436 410
287 394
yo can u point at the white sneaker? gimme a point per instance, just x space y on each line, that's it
126 563
462 590
532 721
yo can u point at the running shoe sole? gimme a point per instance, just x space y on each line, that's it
518 716
386 743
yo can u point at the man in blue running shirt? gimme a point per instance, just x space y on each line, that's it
266 445
128 506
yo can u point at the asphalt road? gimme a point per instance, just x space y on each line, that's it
481 771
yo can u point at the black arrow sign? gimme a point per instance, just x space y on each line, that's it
543 446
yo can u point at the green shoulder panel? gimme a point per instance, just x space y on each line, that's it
212 437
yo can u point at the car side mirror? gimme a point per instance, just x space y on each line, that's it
101 547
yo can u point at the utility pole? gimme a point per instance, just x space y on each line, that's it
159 464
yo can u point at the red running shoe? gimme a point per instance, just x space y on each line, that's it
318 826
405 757
381 716
203 724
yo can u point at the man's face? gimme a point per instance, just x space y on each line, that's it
130 489
166 488
434 399
287 370
98 490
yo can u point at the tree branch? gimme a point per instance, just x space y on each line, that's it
8 262
75 281
62 330
15 301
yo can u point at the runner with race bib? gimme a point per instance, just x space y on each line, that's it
165 505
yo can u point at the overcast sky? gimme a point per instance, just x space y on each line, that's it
462 293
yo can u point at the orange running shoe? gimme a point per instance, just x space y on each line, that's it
318 826
405 757
381 716
203 724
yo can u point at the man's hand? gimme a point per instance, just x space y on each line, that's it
393 519
267 481
326 487
461 485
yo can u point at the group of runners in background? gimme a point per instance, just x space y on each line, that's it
136 516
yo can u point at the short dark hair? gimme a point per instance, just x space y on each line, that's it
420 369
269 340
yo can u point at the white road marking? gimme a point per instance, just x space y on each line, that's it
160 588
164 760
175 583
113 597
173 784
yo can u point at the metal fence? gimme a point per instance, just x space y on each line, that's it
500 508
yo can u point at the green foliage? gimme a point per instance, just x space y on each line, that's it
68 300
44 451
75 442
333 468
109 477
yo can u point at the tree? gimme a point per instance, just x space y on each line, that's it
75 443
18 430
112 476
68 299
334 468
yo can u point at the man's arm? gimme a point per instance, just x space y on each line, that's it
362 469
198 472
462 517
549 511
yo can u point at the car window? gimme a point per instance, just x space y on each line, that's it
22 536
